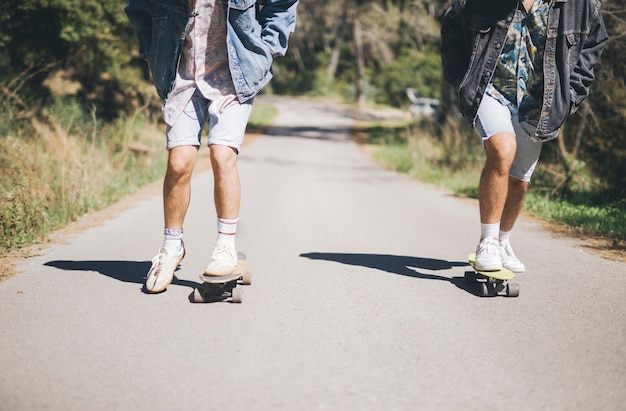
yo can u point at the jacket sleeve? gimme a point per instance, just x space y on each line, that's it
278 19
582 75
141 21
454 56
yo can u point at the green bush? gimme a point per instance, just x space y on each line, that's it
411 69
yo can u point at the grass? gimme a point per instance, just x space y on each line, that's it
64 163
426 158
608 219
61 167
261 116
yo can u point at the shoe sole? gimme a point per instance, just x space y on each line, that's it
492 268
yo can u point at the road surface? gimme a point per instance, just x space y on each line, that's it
358 301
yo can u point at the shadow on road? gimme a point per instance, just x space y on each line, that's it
126 271
315 133
400 265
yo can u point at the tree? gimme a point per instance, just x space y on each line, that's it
351 41
603 142
89 40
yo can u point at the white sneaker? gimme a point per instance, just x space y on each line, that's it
161 273
223 261
488 255
510 261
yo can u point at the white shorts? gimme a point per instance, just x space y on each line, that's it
493 118
227 128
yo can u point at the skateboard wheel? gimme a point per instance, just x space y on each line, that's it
512 290
246 279
483 290
197 296
237 295
470 277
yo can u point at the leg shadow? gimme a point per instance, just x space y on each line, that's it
400 265
125 271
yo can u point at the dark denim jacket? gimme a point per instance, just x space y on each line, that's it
472 38
258 30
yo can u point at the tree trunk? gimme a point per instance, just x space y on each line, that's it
360 63
340 33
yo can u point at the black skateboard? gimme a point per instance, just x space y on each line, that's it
224 288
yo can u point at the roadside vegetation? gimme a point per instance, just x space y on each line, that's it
80 123
68 163
412 148
261 116
61 166
581 177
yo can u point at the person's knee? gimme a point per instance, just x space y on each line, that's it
223 158
500 150
181 162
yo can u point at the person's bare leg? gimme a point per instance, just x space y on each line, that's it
227 194
514 203
177 185
227 187
494 180
176 193
512 209
493 191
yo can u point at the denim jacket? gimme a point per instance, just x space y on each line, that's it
258 31
473 33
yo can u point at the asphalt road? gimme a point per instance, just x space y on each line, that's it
358 301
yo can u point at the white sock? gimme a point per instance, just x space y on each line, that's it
226 231
505 238
489 230
173 240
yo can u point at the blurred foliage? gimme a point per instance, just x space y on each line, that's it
411 69
86 50
87 46
604 142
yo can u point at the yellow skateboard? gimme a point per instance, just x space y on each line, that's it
491 283
224 288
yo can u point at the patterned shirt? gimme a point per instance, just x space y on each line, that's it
203 63
518 78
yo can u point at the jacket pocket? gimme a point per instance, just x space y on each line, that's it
479 25
158 27
479 32
573 41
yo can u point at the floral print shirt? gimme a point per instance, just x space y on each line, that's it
518 78
203 64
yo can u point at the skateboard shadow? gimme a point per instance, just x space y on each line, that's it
125 271
400 265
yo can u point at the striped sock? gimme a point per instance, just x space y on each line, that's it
173 240
226 231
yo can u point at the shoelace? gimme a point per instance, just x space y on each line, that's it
508 251
222 249
156 261
490 247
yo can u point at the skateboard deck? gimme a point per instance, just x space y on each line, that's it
224 287
491 283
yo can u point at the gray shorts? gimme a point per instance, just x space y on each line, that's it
493 118
227 128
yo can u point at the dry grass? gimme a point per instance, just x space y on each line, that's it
55 171
62 181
